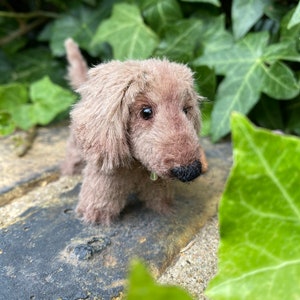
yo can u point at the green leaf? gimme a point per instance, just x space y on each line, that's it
214 36
282 51
295 17
213 2
206 82
267 113
180 40
160 13
49 100
32 64
260 218
80 24
12 95
293 113
7 125
291 34
206 110
245 14
142 286
127 33
251 67
279 82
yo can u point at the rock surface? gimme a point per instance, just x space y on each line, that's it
47 253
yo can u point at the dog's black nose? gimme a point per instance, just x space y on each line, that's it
187 173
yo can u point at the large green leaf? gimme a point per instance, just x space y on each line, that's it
142 286
48 100
127 33
31 64
12 97
245 14
295 17
180 40
80 24
259 214
213 2
160 13
250 68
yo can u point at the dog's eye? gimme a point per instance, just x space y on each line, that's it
147 113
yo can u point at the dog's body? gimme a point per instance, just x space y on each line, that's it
134 118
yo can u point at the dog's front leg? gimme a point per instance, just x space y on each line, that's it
157 195
102 196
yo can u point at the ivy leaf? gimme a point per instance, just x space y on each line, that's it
160 13
80 24
127 33
142 286
293 112
214 36
267 113
245 14
250 68
12 97
180 40
213 2
279 81
49 100
30 65
260 218
295 17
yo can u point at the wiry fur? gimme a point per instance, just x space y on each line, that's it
119 147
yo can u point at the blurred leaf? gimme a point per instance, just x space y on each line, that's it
127 33
205 79
5 68
245 14
160 13
213 2
293 119
180 40
7 125
13 97
214 36
80 24
206 110
267 113
32 64
291 34
142 286
260 218
295 17
48 100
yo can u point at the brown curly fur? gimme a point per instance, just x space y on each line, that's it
119 146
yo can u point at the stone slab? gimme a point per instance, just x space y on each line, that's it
39 165
47 253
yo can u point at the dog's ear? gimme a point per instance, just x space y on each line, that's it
100 118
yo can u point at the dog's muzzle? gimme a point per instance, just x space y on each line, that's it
187 173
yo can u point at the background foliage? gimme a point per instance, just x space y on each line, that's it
245 53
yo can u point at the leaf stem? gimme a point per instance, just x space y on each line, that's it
29 15
22 30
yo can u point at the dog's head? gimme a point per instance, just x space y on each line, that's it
143 110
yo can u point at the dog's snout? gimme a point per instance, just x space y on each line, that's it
187 173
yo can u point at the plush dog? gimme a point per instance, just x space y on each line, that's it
136 128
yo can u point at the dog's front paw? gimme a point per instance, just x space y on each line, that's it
96 216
